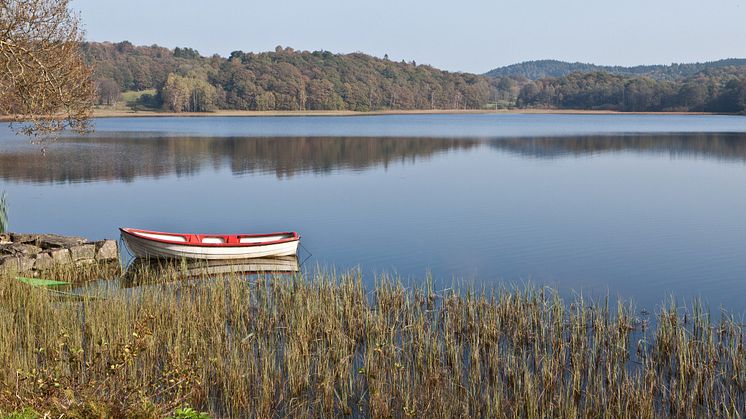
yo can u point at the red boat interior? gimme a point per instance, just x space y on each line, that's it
214 239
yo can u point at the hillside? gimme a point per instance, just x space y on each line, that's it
182 80
713 90
534 70
283 79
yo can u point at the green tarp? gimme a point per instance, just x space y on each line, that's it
39 282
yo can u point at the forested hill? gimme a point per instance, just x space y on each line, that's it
181 79
534 70
284 79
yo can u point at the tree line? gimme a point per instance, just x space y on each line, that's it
283 79
539 69
720 90
286 79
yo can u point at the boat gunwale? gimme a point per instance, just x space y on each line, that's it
134 233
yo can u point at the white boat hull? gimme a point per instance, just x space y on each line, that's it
144 248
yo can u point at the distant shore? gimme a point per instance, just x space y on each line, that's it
120 113
113 113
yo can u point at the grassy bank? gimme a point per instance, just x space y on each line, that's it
326 345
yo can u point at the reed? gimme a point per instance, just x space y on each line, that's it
3 213
325 345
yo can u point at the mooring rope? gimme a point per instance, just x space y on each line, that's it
307 257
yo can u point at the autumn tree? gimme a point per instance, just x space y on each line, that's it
107 92
265 101
189 94
321 95
202 96
507 88
44 79
733 97
175 93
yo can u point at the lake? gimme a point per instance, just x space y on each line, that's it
637 206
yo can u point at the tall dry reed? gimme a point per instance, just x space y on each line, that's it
326 345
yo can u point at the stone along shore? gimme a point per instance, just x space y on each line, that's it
33 253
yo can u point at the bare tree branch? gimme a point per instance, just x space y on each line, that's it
45 85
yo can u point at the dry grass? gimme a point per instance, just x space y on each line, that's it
327 346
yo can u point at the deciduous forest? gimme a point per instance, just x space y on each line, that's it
540 69
181 79
720 90
282 80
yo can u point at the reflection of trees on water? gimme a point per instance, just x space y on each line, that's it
111 158
715 146
96 159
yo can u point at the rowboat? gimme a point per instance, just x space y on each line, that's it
160 245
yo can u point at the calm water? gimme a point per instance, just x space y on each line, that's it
637 206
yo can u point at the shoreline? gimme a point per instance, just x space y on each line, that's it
106 113
99 113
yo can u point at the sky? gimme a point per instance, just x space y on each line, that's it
457 35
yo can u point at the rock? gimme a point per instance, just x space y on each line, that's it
107 250
60 256
37 252
83 251
23 238
16 263
20 249
44 261
54 241
8 264
25 263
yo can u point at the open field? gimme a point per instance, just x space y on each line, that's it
326 345
131 96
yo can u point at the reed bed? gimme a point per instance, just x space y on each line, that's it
326 345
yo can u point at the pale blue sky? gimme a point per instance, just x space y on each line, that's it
465 35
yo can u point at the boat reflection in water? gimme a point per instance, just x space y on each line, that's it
148 271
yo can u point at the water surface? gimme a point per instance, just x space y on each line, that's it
636 206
